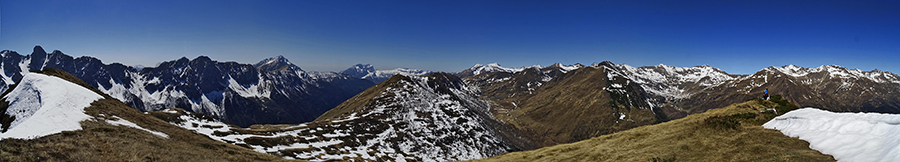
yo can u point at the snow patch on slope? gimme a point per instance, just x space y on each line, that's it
45 105
249 91
846 136
123 122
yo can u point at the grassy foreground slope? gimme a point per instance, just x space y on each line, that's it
99 140
733 133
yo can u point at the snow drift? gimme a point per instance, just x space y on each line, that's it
44 105
846 136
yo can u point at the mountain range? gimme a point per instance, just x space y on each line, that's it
361 113
272 91
51 115
563 104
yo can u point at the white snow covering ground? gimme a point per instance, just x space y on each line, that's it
846 136
45 105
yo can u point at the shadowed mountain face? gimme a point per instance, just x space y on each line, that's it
272 91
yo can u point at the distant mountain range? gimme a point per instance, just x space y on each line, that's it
492 67
368 72
435 117
562 104
53 116
486 110
269 92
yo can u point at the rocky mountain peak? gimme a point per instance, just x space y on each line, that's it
276 63
202 59
605 64
39 50
492 67
368 72
38 57
359 70
833 71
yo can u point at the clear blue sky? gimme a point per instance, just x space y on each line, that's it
735 36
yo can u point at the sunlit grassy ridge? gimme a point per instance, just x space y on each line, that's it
732 133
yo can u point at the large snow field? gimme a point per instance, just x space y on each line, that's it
46 105
846 136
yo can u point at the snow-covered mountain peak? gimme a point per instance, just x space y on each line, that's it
836 71
794 70
359 70
565 68
401 71
273 60
43 105
663 73
368 72
275 64
606 64
492 67
669 81
364 67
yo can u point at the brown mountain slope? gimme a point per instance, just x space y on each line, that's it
100 141
565 107
824 87
558 105
732 133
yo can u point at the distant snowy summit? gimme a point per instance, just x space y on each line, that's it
835 71
492 67
275 64
368 72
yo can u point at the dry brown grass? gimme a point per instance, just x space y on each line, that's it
693 138
572 107
100 141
